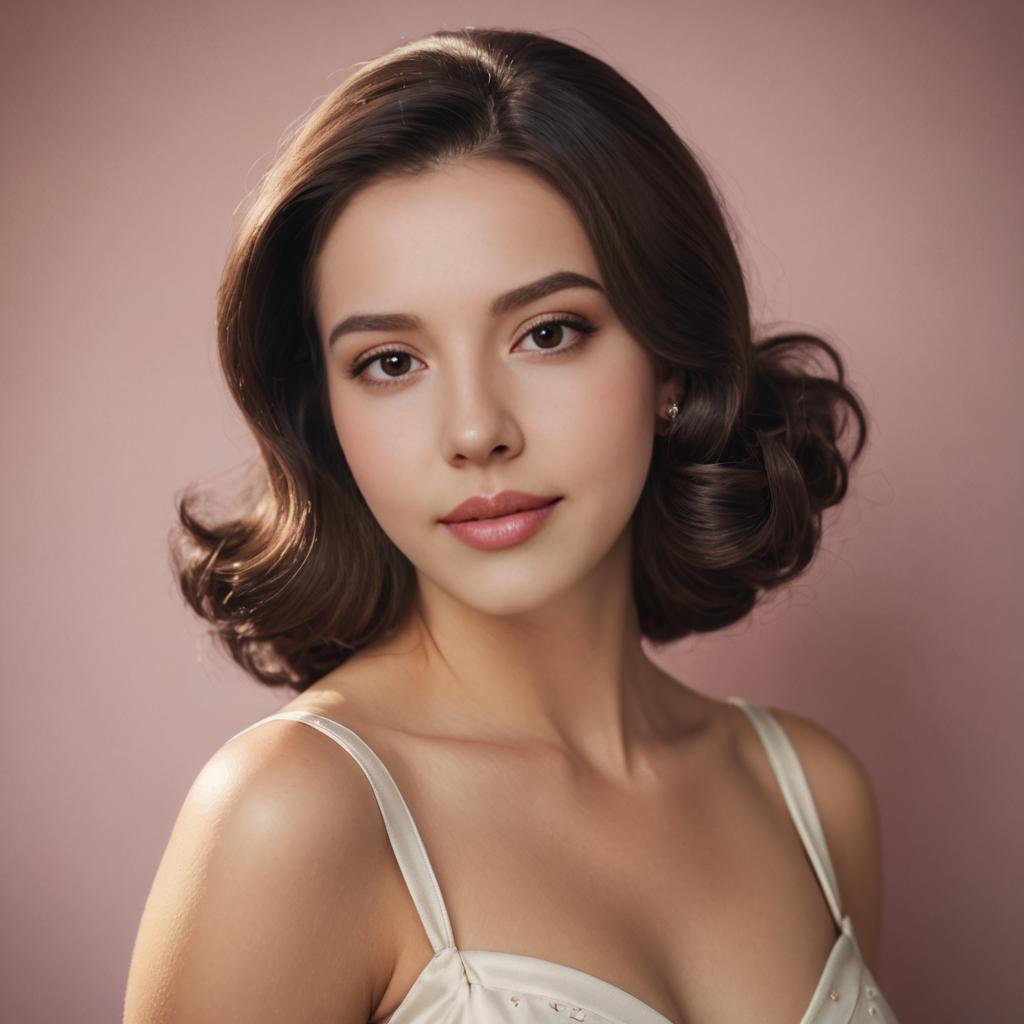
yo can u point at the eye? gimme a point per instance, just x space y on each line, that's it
553 332
394 362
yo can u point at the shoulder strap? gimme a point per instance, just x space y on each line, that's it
402 832
797 793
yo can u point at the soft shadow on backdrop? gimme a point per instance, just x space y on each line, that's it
872 159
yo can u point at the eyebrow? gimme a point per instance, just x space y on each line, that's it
506 303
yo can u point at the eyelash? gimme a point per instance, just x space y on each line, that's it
585 327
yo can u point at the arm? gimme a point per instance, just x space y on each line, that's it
848 809
262 908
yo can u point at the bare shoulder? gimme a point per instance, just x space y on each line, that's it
847 805
262 907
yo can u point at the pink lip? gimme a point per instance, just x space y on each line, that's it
501 531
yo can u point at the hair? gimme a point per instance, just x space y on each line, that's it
303 576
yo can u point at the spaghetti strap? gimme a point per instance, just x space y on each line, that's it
402 832
797 793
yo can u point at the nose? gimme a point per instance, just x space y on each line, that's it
477 420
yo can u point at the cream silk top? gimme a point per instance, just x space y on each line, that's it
482 986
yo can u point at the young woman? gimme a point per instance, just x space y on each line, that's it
487 324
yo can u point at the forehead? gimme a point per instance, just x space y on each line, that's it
472 228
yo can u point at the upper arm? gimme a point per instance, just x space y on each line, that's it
262 905
848 809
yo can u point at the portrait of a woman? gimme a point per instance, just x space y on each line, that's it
486 321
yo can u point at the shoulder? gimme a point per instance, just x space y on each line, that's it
286 785
834 771
263 903
847 806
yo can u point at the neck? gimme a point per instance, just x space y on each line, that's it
570 674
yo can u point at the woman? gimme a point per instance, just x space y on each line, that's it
487 324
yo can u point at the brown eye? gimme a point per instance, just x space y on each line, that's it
394 363
550 335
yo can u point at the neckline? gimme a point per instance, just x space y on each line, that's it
497 969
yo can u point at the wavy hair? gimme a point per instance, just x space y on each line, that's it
302 575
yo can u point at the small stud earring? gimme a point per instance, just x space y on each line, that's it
673 409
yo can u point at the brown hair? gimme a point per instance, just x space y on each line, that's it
303 575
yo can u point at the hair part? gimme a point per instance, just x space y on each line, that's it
303 575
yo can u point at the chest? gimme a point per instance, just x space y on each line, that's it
697 898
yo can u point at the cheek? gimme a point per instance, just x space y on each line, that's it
381 454
614 426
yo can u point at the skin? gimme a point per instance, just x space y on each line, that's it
578 804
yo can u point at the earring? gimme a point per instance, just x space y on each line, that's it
673 409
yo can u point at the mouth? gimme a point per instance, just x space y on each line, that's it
502 531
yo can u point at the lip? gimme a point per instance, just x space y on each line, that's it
502 531
504 503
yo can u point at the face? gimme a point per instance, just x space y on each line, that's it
461 395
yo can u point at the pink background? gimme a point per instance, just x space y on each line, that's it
871 154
